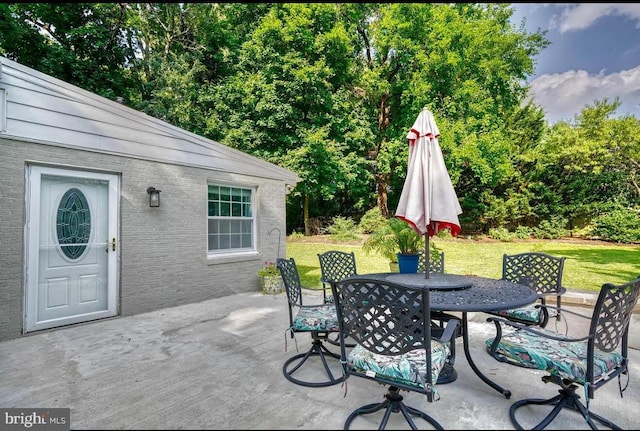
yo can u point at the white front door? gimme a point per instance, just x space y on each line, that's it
71 247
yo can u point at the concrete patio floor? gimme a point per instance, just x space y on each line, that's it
217 364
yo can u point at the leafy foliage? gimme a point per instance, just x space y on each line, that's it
394 237
84 44
555 227
329 90
371 221
501 234
343 228
268 269
619 225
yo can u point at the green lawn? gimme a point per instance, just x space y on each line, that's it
588 265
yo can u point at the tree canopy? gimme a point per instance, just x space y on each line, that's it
329 90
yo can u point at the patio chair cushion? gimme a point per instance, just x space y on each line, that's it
530 313
561 358
322 318
408 368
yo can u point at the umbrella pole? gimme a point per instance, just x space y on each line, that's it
427 260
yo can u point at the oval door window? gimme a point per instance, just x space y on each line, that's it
73 223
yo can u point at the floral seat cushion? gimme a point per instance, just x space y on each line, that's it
409 368
316 318
561 358
529 313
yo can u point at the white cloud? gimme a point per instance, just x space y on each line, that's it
583 15
564 95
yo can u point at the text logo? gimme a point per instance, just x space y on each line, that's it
35 419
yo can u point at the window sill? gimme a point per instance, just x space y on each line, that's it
232 257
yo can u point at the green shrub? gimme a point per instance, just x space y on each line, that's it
523 232
551 229
372 221
619 225
583 232
501 234
343 229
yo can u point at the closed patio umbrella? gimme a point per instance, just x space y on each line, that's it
428 202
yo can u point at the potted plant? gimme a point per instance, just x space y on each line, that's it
270 278
397 242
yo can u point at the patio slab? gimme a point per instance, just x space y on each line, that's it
217 364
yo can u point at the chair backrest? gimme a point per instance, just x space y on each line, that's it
611 315
610 328
336 265
540 271
291 281
384 318
436 262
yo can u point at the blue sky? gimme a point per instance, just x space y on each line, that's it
594 54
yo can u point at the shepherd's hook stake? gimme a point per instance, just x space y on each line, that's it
279 233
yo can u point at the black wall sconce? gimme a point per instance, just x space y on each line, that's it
154 196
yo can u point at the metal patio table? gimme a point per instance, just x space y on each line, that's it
465 293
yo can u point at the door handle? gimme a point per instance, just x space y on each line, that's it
113 244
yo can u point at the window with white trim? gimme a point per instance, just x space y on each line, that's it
230 218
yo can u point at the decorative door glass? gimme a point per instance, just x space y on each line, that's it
73 223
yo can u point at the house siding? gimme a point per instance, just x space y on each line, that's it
163 257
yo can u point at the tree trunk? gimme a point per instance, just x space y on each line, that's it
307 225
382 195
382 179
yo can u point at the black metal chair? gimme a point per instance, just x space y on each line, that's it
586 363
335 265
387 322
436 262
543 273
318 320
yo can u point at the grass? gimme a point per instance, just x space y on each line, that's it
588 266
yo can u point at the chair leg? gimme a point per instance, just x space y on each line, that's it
392 404
567 398
294 363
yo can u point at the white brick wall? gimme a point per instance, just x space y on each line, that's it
163 258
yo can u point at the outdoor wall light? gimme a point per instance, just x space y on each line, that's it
154 196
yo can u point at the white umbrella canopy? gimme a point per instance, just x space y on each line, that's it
428 202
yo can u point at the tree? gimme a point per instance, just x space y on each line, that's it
80 43
290 102
186 50
328 90
594 163
463 61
